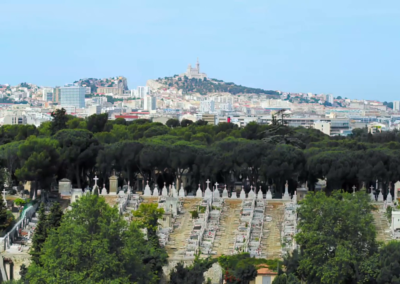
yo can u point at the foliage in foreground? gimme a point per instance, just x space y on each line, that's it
95 245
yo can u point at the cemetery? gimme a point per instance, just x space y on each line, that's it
213 221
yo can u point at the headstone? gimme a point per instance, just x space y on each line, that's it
95 181
129 188
234 194
372 194
251 195
164 190
147 190
104 190
65 187
389 198
76 194
242 193
269 194
216 191
208 193
182 191
354 189
380 196
225 193
155 190
174 193
199 192
4 197
113 184
286 195
260 194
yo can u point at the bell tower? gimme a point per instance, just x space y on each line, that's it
198 66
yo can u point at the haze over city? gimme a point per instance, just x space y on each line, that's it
346 48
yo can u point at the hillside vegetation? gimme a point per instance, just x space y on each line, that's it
210 86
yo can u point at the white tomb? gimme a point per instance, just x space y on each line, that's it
147 190
76 194
372 194
251 194
380 196
389 198
199 192
225 193
260 194
242 193
216 191
104 190
182 191
269 194
155 190
286 195
208 193
164 191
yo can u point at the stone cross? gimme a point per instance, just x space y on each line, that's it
208 183
95 180
372 188
216 185
354 188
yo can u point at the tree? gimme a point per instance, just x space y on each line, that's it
186 122
97 122
22 272
172 123
336 233
6 218
94 245
39 160
201 122
147 216
59 121
54 218
192 274
39 237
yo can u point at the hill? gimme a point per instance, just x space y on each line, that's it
206 86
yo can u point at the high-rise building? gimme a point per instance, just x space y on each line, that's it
56 95
396 105
73 96
207 106
142 91
149 103
329 98
48 94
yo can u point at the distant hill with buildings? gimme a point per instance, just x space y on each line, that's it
193 81
205 86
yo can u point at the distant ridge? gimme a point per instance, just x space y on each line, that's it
206 86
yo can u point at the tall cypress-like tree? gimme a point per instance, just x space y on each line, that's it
54 218
5 217
39 236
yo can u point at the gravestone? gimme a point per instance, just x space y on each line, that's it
155 191
216 191
251 195
234 194
113 184
225 193
65 187
76 194
372 194
164 191
260 194
173 191
295 197
389 198
147 190
242 193
182 191
380 196
199 193
286 195
104 190
269 194
208 192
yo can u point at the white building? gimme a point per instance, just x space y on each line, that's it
149 103
207 106
329 98
73 96
324 127
396 105
48 94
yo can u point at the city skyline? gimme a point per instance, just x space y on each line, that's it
346 49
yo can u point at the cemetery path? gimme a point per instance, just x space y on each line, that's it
178 238
229 223
271 242
381 225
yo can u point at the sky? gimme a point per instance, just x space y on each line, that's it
348 48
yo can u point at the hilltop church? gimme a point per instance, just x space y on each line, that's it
194 72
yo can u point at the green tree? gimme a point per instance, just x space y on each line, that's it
94 245
336 233
192 274
5 216
172 123
59 121
97 122
22 272
40 235
186 122
54 217
147 216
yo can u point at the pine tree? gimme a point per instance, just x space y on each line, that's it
40 235
5 217
22 272
54 218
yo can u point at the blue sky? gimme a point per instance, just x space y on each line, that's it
345 47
